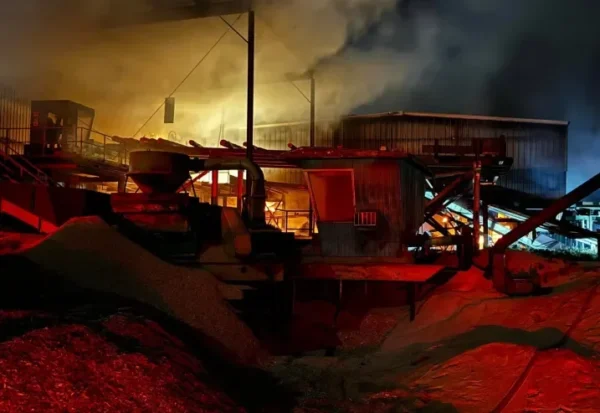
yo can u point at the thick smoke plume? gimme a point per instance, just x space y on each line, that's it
64 53
534 58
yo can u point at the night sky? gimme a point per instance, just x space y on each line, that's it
521 58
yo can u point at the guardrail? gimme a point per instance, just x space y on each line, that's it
82 141
287 214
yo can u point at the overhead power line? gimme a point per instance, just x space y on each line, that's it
230 27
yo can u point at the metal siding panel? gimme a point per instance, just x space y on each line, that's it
378 187
413 194
14 118
538 150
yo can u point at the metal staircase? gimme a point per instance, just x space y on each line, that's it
16 168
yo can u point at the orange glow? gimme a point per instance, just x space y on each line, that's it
271 206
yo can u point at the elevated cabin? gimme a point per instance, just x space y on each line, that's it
367 203
59 122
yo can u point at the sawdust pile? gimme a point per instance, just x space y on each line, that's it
119 364
93 255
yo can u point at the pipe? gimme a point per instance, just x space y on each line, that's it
257 198
229 145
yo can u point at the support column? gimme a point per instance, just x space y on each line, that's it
486 227
214 188
240 190
122 185
476 204
250 103
312 110
311 214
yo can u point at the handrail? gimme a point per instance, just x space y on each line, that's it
42 177
22 169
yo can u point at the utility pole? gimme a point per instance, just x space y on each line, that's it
250 103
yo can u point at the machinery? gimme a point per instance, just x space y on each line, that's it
237 246
56 124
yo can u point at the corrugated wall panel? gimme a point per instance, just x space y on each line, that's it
14 118
378 186
539 150
413 203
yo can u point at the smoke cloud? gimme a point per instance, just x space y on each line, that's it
534 58
63 52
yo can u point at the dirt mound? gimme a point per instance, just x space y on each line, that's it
94 256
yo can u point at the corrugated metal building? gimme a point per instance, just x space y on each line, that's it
539 147
15 115
389 190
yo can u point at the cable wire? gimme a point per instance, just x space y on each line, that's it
189 74
283 44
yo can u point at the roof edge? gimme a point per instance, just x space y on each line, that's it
459 116
420 115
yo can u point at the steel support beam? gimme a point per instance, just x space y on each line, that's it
312 110
476 205
497 265
250 108
240 191
485 213
435 205
214 188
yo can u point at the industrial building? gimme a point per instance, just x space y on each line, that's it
538 147
537 150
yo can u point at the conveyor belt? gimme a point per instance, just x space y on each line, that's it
520 207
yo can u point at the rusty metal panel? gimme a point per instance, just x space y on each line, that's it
380 187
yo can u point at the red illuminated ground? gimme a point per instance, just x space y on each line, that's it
119 365
469 350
